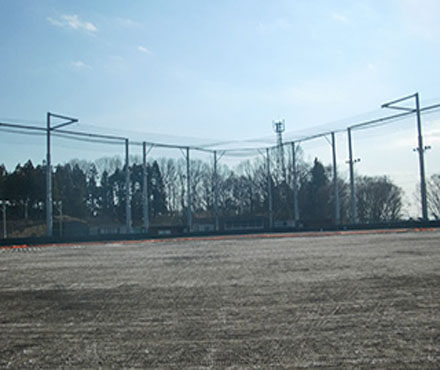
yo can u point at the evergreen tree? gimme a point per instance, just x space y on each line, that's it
156 188
3 177
136 180
315 194
117 184
92 191
106 199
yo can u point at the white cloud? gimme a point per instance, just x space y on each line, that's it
143 49
339 17
73 22
79 64
129 23
431 135
55 22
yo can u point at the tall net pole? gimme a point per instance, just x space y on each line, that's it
353 211
49 216
145 188
217 224
5 233
269 190
188 187
295 186
49 201
337 214
127 189
421 149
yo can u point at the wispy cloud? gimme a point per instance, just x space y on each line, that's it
338 17
79 64
129 23
143 49
72 21
431 134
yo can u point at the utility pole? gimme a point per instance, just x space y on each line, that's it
188 188
49 216
295 186
269 190
127 189
337 214
59 205
351 162
217 223
49 205
145 188
420 148
279 128
61 218
5 233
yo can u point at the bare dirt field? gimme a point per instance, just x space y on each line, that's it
356 301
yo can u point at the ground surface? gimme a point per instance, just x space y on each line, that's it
302 302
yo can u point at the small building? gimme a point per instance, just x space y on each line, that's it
243 223
108 229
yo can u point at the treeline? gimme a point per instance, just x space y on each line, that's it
80 192
96 192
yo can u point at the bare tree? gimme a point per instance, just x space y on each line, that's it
378 199
109 164
433 193
168 168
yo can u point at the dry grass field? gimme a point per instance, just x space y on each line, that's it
341 301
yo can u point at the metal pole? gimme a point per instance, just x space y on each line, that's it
145 188
217 224
5 233
421 151
279 128
49 200
337 214
295 187
283 165
49 217
61 218
353 212
269 188
420 148
188 186
127 189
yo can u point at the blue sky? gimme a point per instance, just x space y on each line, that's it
215 69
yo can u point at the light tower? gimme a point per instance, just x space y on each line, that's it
279 128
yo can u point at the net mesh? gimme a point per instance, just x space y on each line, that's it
235 184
